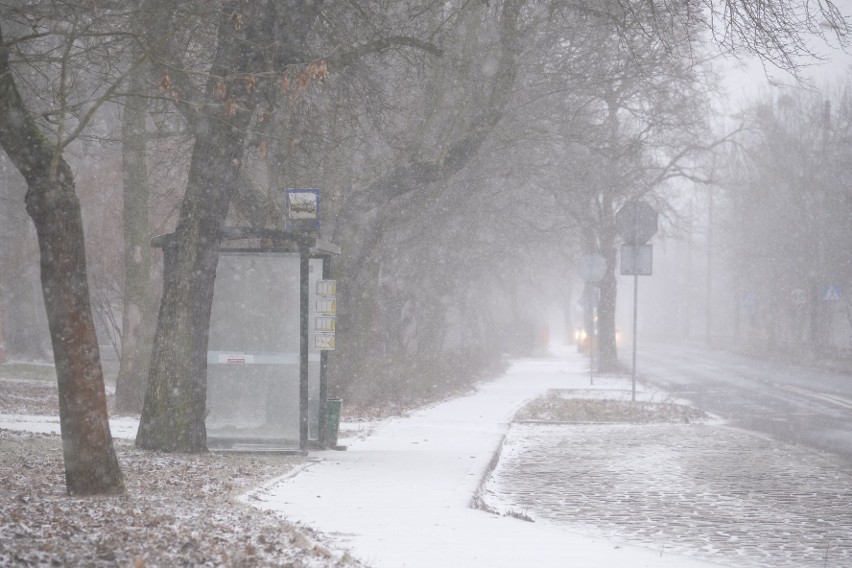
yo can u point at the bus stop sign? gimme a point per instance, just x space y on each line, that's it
636 222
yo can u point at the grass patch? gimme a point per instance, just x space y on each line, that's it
555 408
33 371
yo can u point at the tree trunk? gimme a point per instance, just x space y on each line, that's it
175 401
91 466
136 320
2 328
607 349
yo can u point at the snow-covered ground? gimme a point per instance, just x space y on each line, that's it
121 428
402 496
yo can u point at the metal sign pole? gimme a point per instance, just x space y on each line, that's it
636 222
323 394
590 333
635 314
304 291
591 269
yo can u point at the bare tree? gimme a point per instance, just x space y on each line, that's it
219 97
91 465
617 85
649 132
458 122
785 216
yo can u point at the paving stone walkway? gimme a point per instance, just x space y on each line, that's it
705 491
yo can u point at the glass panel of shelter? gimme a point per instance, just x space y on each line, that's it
253 393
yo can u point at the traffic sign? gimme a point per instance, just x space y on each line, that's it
638 262
302 208
636 222
832 293
591 267
749 302
799 296
325 323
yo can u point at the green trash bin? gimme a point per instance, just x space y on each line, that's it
332 414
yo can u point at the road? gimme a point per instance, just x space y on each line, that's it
790 403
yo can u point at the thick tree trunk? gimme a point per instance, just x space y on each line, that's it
607 348
175 402
2 329
607 235
176 397
136 313
91 465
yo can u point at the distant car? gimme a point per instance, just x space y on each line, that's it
584 341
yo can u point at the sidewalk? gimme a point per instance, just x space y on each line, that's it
401 498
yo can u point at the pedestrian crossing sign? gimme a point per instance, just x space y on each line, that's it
832 293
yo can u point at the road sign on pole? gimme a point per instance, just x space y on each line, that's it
636 222
637 261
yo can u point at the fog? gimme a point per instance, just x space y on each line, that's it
220 221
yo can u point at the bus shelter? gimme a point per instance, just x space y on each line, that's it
271 326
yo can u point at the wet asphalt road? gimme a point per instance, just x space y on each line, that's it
792 404
780 497
717 493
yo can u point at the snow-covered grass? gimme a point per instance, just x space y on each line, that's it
177 511
569 406
28 370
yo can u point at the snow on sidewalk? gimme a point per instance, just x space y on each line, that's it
401 498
